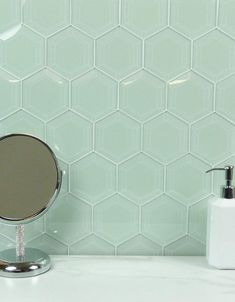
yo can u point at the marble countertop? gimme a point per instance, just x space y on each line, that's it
123 279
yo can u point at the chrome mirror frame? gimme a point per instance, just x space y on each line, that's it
27 262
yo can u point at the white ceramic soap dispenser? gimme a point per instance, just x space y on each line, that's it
221 225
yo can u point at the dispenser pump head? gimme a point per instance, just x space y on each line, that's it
228 191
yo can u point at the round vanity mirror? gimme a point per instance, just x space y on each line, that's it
30 180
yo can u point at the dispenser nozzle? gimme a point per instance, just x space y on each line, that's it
228 191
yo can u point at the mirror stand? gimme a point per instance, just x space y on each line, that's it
23 262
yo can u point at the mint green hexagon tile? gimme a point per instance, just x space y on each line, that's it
142 95
93 178
190 96
119 53
95 17
9 94
198 219
92 245
94 95
226 17
46 16
69 219
70 52
140 178
165 137
48 245
77 143
64 167
22 52
139 246
116 219
45 94
9 15
187 181
30 230
186 246
213 139
167 54
5 243
117 137
214 55
144 17
225 92
22 122
218 177
193 17
164 220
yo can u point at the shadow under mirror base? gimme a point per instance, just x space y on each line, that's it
34 263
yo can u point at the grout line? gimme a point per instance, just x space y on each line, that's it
217 13
168 12
119 12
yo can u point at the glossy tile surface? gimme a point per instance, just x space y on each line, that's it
136 98
193 17
167 54
142 95
119 53
95 17
164 219
49 20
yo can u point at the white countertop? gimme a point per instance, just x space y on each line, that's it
123 279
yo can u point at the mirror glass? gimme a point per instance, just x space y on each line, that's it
30 178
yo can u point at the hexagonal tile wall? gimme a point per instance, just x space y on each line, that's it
214 55
77 143
167 54
93 178
49 245
92 245
45 94
136 98
94 95
95 17
164 220
141 178
132 16
22 52
198 219
142 95
11 16
193 17
22 122
190 96
119 53
139 246
165 137
225 104
55 17
69 219
213 139
187 181
226 18
70 52
185 246
9 94
124 216
117 137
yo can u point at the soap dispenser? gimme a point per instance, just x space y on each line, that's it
221 225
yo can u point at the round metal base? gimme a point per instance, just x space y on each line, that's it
34 263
